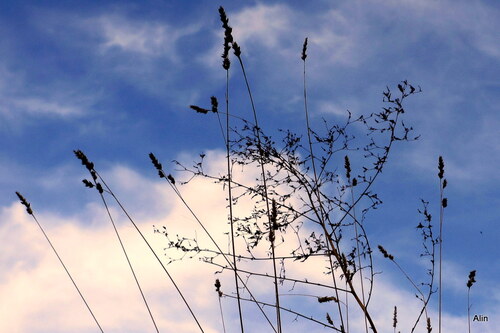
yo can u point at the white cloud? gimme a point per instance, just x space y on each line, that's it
475 20
266 24
37 296
41 106
138 36
16 98
336 109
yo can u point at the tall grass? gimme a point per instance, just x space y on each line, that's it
302 199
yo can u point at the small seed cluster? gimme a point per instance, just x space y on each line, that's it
25 203
472 279
385 253
90 167
159 167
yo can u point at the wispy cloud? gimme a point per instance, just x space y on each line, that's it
462 22
263 24
19 97
40 106
138 36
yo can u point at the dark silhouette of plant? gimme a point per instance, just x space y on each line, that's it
310 201
470 282
294 173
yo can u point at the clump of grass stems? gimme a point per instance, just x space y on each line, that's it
316 183
176 190
308 177
332 250
237 53
228 39
91 183
98 182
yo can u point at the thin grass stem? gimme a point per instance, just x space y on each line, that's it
152 251
30 211
359 255
298 314
468 308
315 186
129 263
224 255
441 217
264 183
230 200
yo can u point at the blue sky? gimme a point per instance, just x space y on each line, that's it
115 79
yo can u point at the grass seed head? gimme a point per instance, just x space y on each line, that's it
329 319
228 38
441 167
395 317
347 166
217 287
87 183
325 299
237 49
304 50
25 203
445 202
83 158
472 279
155 162
215 104
385 253
198 109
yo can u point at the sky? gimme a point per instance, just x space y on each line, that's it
116 78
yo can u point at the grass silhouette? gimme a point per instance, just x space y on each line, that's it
302 190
